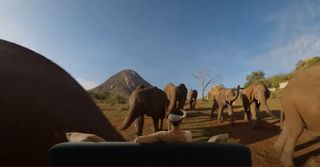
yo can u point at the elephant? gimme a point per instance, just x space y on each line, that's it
176 95
39 103
150 101
300 104
222 98
140 87
192 98
253 96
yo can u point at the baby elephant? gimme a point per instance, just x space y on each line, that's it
223 98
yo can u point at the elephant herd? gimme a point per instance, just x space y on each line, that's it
155 103
158 103
299 101
37 96
252 97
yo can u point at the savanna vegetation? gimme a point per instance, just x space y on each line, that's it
107 97
273 81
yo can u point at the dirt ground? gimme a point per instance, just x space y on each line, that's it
260 140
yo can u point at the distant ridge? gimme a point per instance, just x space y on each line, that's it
122 83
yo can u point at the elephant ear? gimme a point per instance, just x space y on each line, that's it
226 95
250 91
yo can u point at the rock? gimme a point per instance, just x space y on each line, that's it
219 138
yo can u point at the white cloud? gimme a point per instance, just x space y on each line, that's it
86 84
296 36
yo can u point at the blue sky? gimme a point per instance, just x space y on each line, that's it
165 40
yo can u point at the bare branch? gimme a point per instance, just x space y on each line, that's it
203 76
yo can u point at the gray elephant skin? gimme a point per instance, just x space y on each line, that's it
39 103
223 98
301 107
253 97
176 95
150 101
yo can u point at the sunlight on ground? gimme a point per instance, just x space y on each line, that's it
260 140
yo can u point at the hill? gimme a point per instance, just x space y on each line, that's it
301 65
120 84
306 63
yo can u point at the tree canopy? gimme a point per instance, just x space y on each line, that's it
275 80
255 76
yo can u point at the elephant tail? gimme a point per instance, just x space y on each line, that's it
237 94
130 118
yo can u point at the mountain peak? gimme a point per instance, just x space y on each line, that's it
122 83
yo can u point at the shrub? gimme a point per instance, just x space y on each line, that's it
99 95
116 99
276 94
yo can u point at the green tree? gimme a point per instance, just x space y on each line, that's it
255 76
274 80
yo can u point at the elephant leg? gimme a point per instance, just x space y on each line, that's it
212 109
247 114
253 109
246 108
288 150
161 124
230 112
279 144
220 114
258 110
155 124
293 126
139 125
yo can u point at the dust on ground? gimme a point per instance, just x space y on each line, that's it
260 140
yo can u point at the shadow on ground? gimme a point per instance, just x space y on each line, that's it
243 131
300 160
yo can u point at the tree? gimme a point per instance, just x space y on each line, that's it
276 79
255 76
205 78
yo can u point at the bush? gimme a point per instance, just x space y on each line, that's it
99 95
116 99
276 94
107 97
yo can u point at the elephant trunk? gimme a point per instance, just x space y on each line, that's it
129 119
172 104
263 101
236 95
